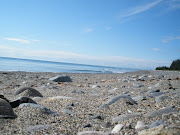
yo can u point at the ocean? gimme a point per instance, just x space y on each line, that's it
28 65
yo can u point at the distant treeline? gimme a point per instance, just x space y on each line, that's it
175 65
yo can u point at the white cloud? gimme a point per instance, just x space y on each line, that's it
87 30
169 38
139 9
156 49
71 57
108 28
22 41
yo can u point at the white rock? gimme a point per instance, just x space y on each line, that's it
95 86
140 125
117 128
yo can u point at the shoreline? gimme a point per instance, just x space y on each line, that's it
76 105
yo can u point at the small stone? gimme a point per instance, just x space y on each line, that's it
87 125
125 117
154 90
28 92
139 98
156 94
117 128
96 86
159 112
159 76
37 128
95 117
61 78
155 124
140 126
161 130
161 98
92 133
137 85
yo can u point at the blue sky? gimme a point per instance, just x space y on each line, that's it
123 33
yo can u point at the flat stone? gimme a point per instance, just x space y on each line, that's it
92 133
154 90
137 85
6 110
159 76
61 78
117 128
155 124
139 98
95 117
161 130
37 128
28 92
125 117
36 106
156 94
161 98
160 112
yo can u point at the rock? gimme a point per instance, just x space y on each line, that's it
154 90
161 98
160 112
137 85
92 133
36 106
66 111
87 125
113 90
125 117
139 98
159 76
143 78
126 92
155 124
37 128
28 92
95 86
156 94
140 126
114 99
78 92
6 110
161 130
117 128
61 78
95 117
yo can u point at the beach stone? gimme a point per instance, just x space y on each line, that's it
160 112
154 90
155 124
36 106
126 92
140 126
161 130
143 78
26 99
95 117
61 78
116 98
137 85
125 117
6 110
156 94
117 128
64 111
139 98
92 133
161 98
87 125
159 76
95 86
28 92
78 92
37 128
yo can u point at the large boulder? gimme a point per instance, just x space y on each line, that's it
6 110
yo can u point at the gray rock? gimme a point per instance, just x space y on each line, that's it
37 128
92 133
126 92
137 85
26 99
125 117
78 92
159 76
61 78
143 78
160 112
139 98
6 110
66 111
95 117
28 92
116 98
154 90
36 106
156 94
155 124
161 98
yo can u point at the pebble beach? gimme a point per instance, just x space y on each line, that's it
143 102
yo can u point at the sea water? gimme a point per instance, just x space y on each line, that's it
28 65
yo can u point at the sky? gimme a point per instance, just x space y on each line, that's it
141 34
